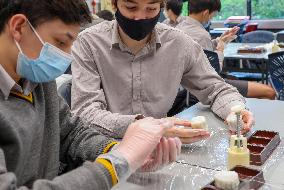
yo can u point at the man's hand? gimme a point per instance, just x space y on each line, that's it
247 121
180 122
188 135
184 131
229 35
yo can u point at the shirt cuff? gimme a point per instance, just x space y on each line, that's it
122 124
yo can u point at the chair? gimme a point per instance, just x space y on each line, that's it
276 72
214 62
259 36
213 59
179 104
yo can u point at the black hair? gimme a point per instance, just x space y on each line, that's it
39 11
162 3
175 6
106 15
197 6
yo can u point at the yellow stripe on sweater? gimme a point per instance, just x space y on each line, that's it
108 147
110 168
28 98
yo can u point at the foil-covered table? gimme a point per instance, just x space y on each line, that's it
200 161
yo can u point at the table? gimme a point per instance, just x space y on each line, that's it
268 116
199 162
177 176
231 53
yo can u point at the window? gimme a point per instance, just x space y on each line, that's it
232 8
257 9
185 9
267 9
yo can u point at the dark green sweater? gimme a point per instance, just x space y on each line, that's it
35 138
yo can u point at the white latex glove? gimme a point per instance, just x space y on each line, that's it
167 151
140 140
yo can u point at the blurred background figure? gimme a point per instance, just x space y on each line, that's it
100 17
201 12
106 15
172 12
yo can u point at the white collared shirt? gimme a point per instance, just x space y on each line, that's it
7 84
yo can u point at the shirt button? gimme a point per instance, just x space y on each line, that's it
136 97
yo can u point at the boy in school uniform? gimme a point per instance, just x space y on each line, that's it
36 132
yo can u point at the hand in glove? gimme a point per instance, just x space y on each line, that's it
166 152
140 140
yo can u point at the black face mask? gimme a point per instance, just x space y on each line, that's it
136 29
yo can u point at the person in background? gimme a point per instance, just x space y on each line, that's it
37 132
106 5
133 66
106 15
172 12
200 13
95 20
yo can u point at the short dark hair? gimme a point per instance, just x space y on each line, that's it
39 11
175 6
106 15
162 3
197 6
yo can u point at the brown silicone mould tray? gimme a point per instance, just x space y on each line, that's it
249 179
261 145
252 50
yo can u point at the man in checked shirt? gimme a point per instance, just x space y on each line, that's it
133 66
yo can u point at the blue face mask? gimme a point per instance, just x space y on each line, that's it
51 63
207 24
